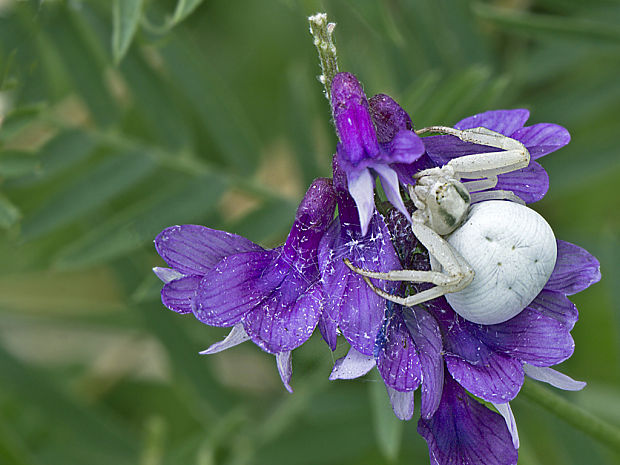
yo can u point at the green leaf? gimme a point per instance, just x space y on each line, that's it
9 213
108 179
388 428
126 17
140 223
14 163
183 10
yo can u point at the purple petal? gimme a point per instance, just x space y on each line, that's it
352 119
427 339
391 187
441 149
541 139
233 288
530 183
506 412
463 431
353 365
406 171
575 270
362 189
505 122
278 325
236 336
358 310
284 361
553 377
167 274
388 116
397 358
484 372
402 403
556 305
177 295
531 337
195 250
329 331
406 147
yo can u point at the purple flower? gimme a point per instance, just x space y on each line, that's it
364 151
273 297
530 183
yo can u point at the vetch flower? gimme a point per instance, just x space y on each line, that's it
272 297
362 155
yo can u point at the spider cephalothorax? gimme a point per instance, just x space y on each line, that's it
490 254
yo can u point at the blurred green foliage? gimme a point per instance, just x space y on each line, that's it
121 118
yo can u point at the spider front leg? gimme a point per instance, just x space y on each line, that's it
513 155
455 276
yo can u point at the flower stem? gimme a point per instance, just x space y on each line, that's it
322 32
576 416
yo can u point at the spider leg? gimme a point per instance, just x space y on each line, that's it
514 154
411 300
414 276
496 195
456 274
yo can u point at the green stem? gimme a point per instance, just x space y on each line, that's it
576 416
322 32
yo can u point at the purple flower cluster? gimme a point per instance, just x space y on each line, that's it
277 297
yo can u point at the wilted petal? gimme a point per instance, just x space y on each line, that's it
236 336
278 325
505 411
556 305
167 274
177 295
553 377
427 339
531 337
541 139
195 250
530 183
505 122
402 403
353 365
463 431
233 288
362 188
397 358
481 370
575 270
284 361
388 116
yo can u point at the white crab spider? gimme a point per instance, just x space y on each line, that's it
490 254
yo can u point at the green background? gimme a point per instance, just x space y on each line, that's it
213 115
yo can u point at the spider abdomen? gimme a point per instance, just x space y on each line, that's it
512 251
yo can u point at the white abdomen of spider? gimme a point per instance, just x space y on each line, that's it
512 251
490 254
